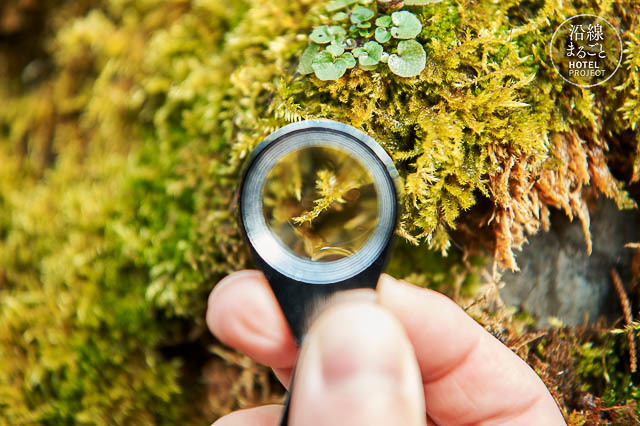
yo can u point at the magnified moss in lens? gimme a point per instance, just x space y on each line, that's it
321 203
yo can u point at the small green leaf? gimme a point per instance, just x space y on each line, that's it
420 2
384 58
340 16
325 68
382 35
407 25
338 40
361 14
335 50
320 35
410 60
349 59
364 25
336 31
371 54
364 32
384 21
366 61
325 34
339 4
359 51
304 67
369 67
374 49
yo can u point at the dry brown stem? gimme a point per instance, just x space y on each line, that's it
628 317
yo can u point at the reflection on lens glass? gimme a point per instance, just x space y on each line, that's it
321 203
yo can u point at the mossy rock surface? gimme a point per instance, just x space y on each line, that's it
122 137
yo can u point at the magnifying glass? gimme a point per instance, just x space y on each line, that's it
318 207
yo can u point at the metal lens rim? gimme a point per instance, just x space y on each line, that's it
316 133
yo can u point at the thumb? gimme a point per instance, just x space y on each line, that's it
357 367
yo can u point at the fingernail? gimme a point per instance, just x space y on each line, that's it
257 320
357 366
366 344
388 282
391 288
231 279
363 295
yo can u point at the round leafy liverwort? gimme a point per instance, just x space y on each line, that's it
407 25
410 60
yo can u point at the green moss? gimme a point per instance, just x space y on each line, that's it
98 228
73 313
118 168
602 366
457 129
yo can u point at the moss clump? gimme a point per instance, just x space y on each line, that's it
598 387
119 160
90 231
488 117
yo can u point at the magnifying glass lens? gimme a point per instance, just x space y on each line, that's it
321 203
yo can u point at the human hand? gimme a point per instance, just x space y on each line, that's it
365 363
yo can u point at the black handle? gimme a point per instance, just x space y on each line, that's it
287 401
285 412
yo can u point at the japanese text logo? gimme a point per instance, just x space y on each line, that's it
586 50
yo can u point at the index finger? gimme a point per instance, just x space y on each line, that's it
469 376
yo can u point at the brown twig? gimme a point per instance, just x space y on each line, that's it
525 340
628 317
